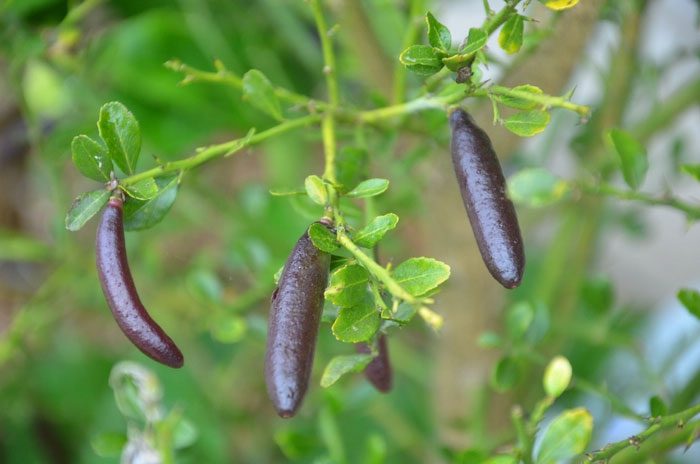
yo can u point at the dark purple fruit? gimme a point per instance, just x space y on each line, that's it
295 315
378 371
120 292
491 213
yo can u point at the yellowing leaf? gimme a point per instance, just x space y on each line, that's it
560 4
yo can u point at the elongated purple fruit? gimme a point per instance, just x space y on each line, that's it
378 371
120 292
491 213
295 315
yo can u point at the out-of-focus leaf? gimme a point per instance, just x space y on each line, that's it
536 187
565 437
259 92
344 364
511 36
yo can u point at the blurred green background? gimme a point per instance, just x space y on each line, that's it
206 271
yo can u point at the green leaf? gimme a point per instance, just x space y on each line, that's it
17 247
85 207
357 323
322 238
632 156
598 294
316 190
527 124
692 170
229 329
341 365
566 436
185 434
373 232
421 59
505 374
369 188
536 187
139 215
120 131
519 102
420 275
519 318
691 300
91 158
108 444
351 167
259 92
558 5
438 34
144 189
476 40
511 36
502 459
287 192
348 285
489 339
657 407
557 376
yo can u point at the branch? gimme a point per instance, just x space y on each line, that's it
547 101
490 25
383 275
220 150
607 190
675 420
224 76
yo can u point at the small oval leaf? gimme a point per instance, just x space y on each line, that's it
139 215
527 124
259 92
357 323
322 238
369 188
91 158
632 156
439 35
420 275
537 187
85 207
373 232
341 365
566 436
511 36
120 131
421 59
316 190
348 285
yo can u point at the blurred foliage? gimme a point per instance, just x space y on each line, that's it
207 270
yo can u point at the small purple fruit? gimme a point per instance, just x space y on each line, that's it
491 213
120 292
378 371
295 315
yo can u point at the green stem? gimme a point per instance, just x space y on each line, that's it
547 101
675 420
606 190
415 22
220 150
524 440
328 123
377 271
224 76
490 25
682 99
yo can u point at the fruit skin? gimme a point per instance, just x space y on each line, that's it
295 315
120 292
491 213
378 372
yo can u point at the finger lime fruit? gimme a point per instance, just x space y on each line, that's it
120 291
295 315
490 211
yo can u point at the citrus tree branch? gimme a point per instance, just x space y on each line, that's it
220 150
